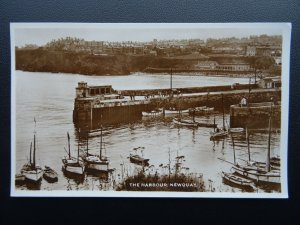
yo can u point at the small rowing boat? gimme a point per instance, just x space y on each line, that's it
50 175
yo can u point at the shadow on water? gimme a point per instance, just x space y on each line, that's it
98 174
78 179
29 185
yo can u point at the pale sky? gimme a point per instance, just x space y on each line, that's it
40 34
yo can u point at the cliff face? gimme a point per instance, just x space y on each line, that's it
39 60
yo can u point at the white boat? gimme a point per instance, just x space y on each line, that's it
202 110
218 134
98 163
157 112
72 165
189 123
237 181
237 130
261 172
174 111
31 171
259 176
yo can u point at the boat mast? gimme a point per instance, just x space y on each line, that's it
234 161
214 124
69 153
30 153
171 80
248 143
33 151
87 144
101 144
223 113
78 146
268 167
33 163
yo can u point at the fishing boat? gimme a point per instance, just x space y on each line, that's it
99 163
72 165
50 175
265 173
237 130
157 112
31 171
184 122
174 111
219 133
237 181
138 158
202 110
258 175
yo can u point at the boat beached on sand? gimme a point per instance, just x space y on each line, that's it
237 181
71 165
99 163
31 171
50 175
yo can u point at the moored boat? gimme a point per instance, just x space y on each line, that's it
71 165
31 171
50 175
174 111
258 175
237 181
156 112
219 133
98 163
237 130
202 110
189 123
138 158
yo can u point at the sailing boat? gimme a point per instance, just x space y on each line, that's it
219 133
72 165
31 170
265 175
185 122
97 163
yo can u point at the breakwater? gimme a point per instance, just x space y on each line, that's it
91 111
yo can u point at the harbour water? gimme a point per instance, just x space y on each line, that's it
49 98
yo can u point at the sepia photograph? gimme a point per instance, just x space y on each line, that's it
150 109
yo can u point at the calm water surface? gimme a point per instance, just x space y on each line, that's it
50 98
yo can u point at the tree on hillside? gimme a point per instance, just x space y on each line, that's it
259 63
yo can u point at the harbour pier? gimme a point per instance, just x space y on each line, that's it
102 104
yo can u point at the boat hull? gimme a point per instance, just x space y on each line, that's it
72 167
258 176
218 135
101 167
185 123
152 113
33 175
237 182
139 161
176 111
